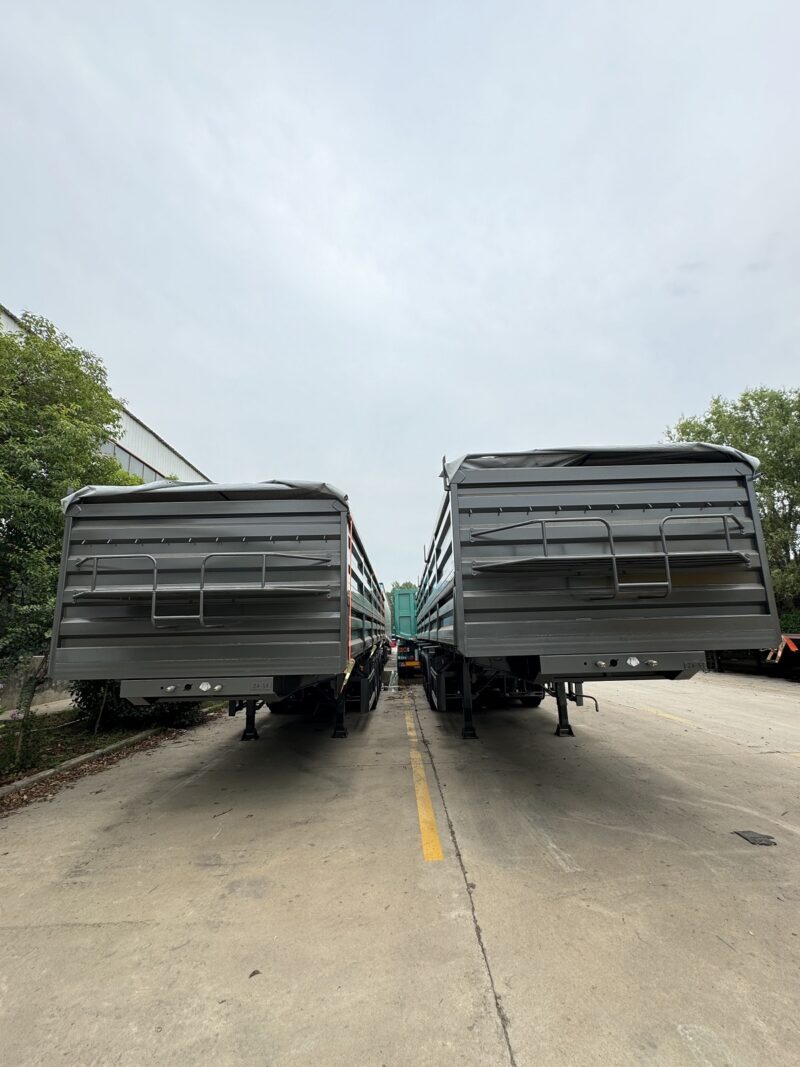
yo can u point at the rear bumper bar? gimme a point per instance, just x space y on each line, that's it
621 664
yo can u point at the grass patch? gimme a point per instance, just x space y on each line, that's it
51 740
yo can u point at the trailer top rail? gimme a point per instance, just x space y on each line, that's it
191 491
688 452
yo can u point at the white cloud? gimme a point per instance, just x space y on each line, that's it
336 241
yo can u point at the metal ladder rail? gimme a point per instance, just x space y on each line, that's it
544 521
314 560
155 618
613 558
726 517
130 555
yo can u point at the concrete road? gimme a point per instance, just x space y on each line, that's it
271 903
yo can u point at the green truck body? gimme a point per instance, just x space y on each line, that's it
404 611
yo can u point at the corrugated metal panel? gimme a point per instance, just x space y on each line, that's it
147 446
564 560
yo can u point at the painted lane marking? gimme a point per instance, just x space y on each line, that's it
428 830
655 711
666 715
661 714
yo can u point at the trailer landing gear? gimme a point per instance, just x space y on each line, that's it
468 729
250 733
339 727
563 729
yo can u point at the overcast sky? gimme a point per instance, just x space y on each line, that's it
338 240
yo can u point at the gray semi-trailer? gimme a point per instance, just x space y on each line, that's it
246 592
551 568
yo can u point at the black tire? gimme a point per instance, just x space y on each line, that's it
429 696
531 702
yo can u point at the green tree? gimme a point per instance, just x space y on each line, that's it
766 424
55 413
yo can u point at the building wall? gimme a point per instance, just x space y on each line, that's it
139 449
145 454
9 323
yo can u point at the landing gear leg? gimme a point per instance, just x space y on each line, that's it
250 732
441 689
563 729
468 729
339 728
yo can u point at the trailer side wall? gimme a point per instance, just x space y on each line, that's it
571 559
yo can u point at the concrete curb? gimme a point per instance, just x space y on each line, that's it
76 761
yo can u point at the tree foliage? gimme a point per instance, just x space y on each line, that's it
766 424
55 413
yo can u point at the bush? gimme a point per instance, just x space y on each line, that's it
29 750
107 710
182 716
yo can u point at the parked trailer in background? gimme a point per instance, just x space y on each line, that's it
550 568
253 593
408 661
404 611
782 661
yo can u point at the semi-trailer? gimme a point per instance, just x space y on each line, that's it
404 612
550 568
254 593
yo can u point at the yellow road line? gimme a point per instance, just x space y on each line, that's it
428 830
666 715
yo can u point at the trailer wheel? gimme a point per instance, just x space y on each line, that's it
428 688
531 702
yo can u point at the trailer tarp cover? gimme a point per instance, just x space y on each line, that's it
207 490
691 452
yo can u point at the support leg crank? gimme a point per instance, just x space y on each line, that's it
339 728
468 729
563 729
250 732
